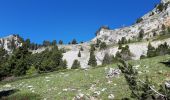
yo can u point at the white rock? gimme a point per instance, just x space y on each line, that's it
111 97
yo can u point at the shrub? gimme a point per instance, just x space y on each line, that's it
31 71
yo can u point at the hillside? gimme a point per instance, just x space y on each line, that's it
152 25
67 85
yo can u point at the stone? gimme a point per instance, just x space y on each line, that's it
111 97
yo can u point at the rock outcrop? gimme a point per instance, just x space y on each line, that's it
10 42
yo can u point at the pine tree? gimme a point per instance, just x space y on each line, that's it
76 64
60 42
151 51
141 34
74 41
19 62
98 43
92 60
139 90
81 49
63 64
54 43
106 59
79 54
103 46
162 49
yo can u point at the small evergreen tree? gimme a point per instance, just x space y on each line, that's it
162 49
74 41
81 49
79 54
106 60
92 60
139 90
151 52
141 34
103 46
98 43
54 43
63 64
60 42
76 64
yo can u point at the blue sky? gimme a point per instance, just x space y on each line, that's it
67 19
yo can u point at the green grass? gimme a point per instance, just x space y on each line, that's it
51 85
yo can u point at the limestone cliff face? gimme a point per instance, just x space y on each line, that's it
151 23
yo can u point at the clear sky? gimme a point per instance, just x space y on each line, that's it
67 19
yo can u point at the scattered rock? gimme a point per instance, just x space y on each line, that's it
136 67
111 97
167 84
7 86
112 72
104 89
65 90
81 96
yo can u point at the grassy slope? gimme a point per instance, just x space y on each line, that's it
51 85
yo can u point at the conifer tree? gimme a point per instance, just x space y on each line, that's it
60 42
74 41
106 59
76 64
79 54
81 49
103 46
92 60
151 51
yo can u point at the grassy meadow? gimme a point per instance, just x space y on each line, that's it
67 84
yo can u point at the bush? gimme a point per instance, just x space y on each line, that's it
31 71
76 64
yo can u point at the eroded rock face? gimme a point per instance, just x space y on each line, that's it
10 42
151 23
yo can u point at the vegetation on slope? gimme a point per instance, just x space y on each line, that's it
66 85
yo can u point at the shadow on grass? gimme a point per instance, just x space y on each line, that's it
6 93
166 63
15 95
